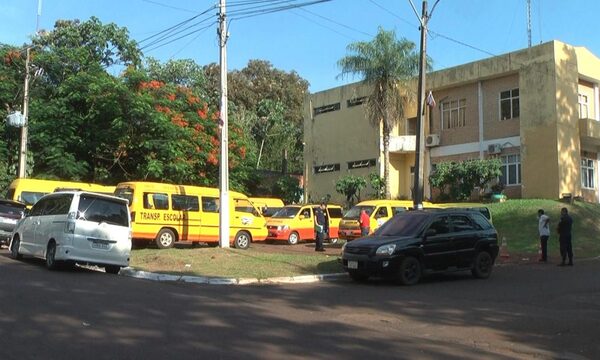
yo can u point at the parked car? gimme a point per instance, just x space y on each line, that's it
420 242
10 213
294 223
71 227
267 206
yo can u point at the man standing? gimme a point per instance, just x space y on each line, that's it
319 227
544 230
365 223
564 237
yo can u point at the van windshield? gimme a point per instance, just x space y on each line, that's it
287 212
30 197
354 213
125 193
100 210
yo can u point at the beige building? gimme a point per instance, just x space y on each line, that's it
536 109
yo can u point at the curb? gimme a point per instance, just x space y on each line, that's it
303 279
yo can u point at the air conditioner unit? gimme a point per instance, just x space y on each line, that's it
432 140
494 149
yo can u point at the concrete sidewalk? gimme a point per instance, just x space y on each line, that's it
130 272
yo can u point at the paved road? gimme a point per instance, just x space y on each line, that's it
522 312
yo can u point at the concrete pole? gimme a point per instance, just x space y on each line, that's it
420 140
224 161
23 143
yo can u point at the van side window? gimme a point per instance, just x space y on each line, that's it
381 212
335 212
398 209
210 204
185 202
156 201
58 205
244 205
306 213
38 208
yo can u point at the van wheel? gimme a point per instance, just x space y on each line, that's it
409 272
242 240
293 238
165 239
112 269
51 262
482 265
14 249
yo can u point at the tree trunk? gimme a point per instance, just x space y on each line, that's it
386 160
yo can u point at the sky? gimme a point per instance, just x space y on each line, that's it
310 40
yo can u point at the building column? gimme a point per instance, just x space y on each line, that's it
596 102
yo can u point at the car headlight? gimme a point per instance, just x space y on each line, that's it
386 249
282 227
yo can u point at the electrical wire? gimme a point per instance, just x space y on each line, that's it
335 22
169 6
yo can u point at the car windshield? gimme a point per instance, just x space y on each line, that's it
287 212
354 213
403 224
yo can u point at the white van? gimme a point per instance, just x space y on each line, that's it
71 227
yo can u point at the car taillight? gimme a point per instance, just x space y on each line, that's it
133 216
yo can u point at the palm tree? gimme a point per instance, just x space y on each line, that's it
387 64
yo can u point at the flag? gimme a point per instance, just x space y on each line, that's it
430 100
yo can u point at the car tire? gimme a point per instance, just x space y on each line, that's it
294 238
51 263
409 271
242 240
482 265
358 276
14 249
165 239
112 269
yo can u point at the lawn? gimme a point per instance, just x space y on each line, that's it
515 220
251 263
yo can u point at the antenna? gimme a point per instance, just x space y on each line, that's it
529 23
39 15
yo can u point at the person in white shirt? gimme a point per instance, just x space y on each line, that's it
544 230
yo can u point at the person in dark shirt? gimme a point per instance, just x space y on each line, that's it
320 227
565 226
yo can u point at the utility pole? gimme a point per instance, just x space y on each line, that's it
223 124
528 23
420 139
23 142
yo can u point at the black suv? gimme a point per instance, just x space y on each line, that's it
10 213
415 243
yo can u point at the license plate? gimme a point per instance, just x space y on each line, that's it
99 245
352 264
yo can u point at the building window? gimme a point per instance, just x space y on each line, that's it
509 104
583 106
326 168
587 173
453 114
326 108
511 169
357 164
356 101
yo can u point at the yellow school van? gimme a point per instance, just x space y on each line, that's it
168 213
484 210
379 212
294 223
29 191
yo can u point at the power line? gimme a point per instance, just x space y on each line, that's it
393 14
242 14
182 36
337 23
325 26
169 6
174 27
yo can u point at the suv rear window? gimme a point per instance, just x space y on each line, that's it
14 209
100 210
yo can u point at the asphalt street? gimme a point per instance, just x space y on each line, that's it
528 311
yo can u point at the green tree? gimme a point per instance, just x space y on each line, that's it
288 189
378 184
387 65
350 186
457 181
